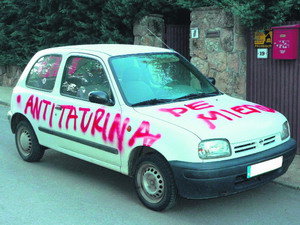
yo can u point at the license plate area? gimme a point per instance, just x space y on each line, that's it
264 167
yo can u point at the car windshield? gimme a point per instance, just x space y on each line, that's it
148 79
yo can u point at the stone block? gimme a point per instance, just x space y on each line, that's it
241 87
240 44
147 28
201 65
9 75
221 79
137 40
213 45
233 62
158 43
243 70
197 48
217 61
213 17
226 38
243 56
139 30
147 40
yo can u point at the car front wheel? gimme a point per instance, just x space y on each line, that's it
154 182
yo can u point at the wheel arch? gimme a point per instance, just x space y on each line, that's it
16 118
136 153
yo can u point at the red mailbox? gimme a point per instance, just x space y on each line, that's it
286 42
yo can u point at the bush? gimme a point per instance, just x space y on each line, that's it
27 26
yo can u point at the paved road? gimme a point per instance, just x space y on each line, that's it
64 190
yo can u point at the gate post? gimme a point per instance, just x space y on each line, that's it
218 49
147 28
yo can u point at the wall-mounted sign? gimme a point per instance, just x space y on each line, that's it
195 32
263 39
262 53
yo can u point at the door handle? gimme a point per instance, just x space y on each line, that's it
58 107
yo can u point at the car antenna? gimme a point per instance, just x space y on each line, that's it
159 39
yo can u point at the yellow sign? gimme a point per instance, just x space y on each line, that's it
263 39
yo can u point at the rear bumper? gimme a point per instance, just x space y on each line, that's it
214 179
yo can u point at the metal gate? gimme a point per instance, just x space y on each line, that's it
276 84
177 38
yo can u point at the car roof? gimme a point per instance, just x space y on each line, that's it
110 49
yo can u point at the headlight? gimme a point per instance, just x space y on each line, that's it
285 133
214 149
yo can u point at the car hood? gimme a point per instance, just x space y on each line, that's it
219 117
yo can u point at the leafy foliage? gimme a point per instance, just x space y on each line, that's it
27 26
254 14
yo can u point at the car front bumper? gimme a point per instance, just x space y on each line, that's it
214 179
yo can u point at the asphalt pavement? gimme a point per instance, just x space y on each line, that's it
291 178
64 190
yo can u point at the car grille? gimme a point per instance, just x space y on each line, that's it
252 145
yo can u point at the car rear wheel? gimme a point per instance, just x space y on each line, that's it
154 182
27 143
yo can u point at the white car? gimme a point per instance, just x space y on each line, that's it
148 113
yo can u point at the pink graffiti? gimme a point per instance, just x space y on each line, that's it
211 116
34 107
96 127
174 111
144 132
97 122
245 109
117 130
84 126
199 105
19 99
178 111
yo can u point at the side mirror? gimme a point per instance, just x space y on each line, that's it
212 80
100 97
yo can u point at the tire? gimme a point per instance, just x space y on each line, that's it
154 182
27 143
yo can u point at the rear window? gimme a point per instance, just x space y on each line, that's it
43 73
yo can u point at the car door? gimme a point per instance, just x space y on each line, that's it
81 128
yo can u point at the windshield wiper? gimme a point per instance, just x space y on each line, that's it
197 95
153 101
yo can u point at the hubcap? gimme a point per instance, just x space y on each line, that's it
25 143
150 183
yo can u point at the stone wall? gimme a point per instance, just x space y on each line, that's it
220 49
9 75
146 30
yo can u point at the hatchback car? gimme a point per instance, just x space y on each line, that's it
150 114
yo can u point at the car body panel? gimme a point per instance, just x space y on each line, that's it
107 135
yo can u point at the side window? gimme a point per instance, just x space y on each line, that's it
83 75
43 73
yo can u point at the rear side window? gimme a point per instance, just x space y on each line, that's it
43 73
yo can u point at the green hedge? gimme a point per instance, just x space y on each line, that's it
27 26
